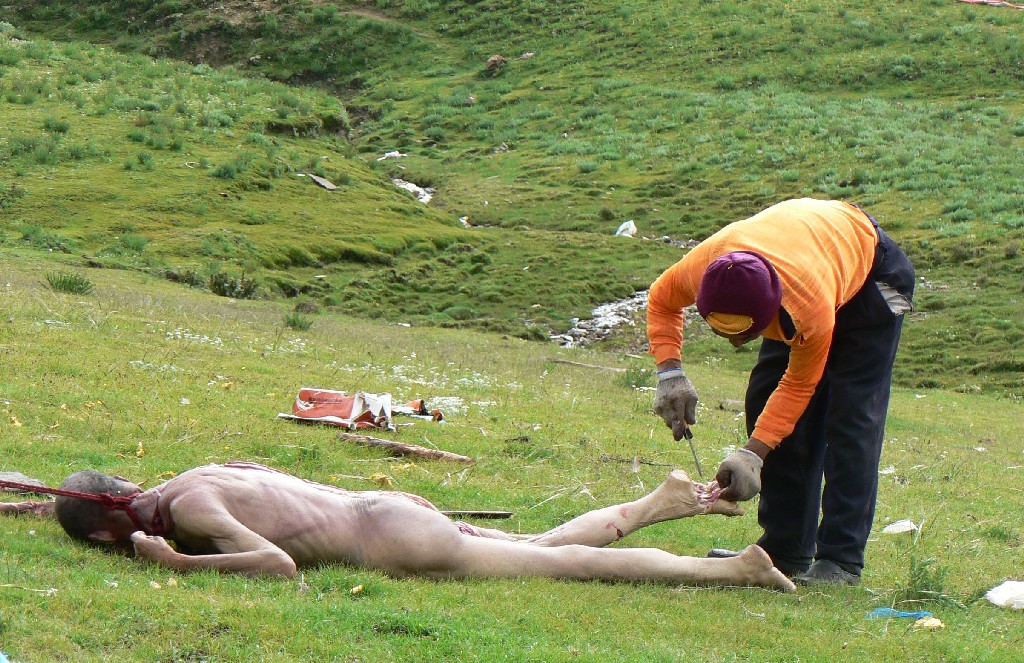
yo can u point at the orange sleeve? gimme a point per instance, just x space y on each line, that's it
673 291
822 251
787 403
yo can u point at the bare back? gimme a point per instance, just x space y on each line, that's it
231 508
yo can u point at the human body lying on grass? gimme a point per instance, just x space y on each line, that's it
828 290
250 519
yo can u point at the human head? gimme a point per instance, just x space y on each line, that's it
91 521
739 294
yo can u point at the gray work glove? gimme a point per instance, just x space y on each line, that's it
739 475
675 402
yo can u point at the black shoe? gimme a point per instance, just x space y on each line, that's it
721 553
790 570
827 572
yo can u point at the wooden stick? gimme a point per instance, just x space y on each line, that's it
613 369
41 509
639 461
402 449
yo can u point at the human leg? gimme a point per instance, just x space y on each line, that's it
791 476
403 538
675 498
859 372
860 376
492 558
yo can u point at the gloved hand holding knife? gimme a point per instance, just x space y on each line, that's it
675 401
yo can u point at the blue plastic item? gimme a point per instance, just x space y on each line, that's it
879 613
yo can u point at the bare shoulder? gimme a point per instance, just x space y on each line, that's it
210 480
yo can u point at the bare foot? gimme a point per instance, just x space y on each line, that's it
681 497
675 498
756 569
724 508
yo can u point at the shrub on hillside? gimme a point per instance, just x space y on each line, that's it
226 285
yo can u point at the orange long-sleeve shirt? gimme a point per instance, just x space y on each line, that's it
822 250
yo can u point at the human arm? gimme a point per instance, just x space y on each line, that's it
204 523
675 400
271 561
669 295
789 400
740 473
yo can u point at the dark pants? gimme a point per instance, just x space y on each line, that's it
839 437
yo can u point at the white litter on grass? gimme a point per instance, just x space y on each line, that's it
627 229
1010 594
149 366
392 155
889 470
899 527
422 195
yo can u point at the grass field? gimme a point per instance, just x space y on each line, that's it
170 276
680 118
145 379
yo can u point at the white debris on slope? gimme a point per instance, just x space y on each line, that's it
626 229
395 154
422 195
606 319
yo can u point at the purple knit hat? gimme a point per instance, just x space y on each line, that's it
741 283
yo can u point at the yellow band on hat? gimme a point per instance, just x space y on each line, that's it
730 323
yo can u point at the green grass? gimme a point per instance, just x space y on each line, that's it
155 148
70 283
681 118
163 378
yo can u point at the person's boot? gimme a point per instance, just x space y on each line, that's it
827 572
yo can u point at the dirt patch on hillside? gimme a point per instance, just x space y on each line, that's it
240 12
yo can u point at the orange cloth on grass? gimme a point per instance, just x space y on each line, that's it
822 250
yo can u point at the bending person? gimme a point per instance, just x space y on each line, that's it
828 290
250 519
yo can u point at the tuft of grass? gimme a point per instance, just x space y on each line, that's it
927 583
635 377
298 321
70 283
56 125
133 243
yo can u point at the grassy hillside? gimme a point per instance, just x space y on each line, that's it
681 117
162 379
